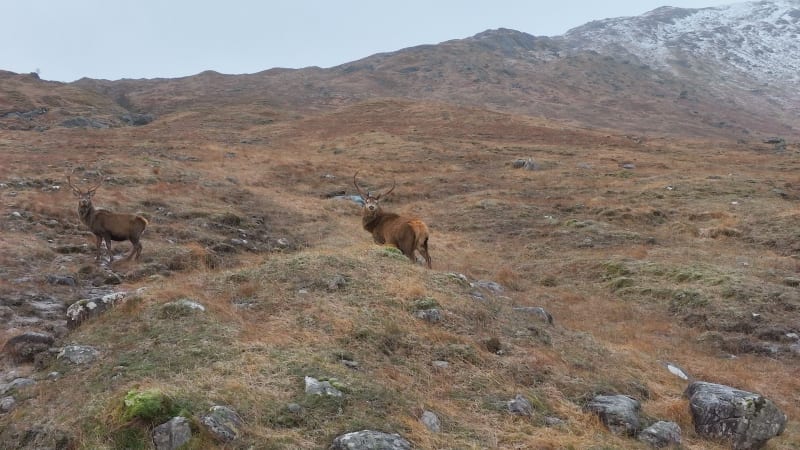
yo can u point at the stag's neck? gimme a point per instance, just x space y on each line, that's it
86 213
371 222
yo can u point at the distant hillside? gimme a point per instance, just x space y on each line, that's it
28 103
726 72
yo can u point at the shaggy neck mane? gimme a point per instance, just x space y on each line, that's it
372 222
85 212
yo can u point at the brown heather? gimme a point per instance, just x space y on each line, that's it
616 255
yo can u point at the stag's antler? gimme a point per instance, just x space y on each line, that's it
94 188
74 189
77 190
358 188
394 184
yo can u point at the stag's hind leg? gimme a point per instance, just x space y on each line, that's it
423 250
406 245
136 251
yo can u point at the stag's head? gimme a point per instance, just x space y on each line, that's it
371 202
84 197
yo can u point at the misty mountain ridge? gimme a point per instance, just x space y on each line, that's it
727 71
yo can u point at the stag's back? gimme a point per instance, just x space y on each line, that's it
119 226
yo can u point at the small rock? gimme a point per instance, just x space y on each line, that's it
316 387
53 376
527 164
661 434
294 408
537 311
792 281
223 423
7 404
17 383
338 281
65 280
520 406
368 440
677 371
79 354
351 364
491 286
181 308
86 308
478 295
552 421
172 434
441 364
111 278
338 193
431 421
432 315
619 413
25 347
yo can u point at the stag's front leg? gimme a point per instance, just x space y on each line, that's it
108 249
99 245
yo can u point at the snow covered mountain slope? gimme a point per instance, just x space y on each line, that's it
758 40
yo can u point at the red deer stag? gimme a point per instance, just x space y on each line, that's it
406 233
107 225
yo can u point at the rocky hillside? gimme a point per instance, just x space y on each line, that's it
575 274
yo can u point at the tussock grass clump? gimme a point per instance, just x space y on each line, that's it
152 406
425 303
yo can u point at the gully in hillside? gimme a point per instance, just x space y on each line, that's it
107 225
408 234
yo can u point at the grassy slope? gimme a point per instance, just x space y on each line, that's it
619 257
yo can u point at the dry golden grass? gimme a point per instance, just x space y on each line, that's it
618 256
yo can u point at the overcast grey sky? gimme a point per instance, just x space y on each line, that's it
112 39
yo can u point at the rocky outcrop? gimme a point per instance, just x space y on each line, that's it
79 354
661 434
223 423
745 419
520 406
172 434
369 439
619 413
84 309
431 421
324 387
25 347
